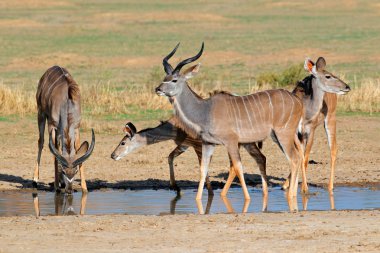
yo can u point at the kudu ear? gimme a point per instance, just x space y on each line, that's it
130 129
309 64
82 149
321 64
192 71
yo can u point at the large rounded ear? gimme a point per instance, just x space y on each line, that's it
321 64
192 71
82 149
309 64
130 129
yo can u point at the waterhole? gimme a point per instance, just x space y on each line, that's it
165 202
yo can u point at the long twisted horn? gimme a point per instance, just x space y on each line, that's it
83 158
189 60
167 67
55 152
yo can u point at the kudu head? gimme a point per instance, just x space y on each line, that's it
174 81
326 80
126 144
70 164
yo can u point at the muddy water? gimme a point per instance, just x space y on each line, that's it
162 202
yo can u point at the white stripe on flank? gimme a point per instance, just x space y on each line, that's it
253 110
283 107
291 112
261 119
239 119
249 117
237 106
270 102
234 113
262 107
51 86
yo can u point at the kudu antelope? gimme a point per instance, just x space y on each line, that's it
318 93
58 102
167 131
229 120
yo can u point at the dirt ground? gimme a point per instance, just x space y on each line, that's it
333 231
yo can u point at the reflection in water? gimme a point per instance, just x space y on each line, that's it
159 202
229 207
208 206
63 204
306 197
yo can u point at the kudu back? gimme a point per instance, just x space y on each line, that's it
229 120
59 103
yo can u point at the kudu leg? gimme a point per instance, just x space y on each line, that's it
81 167
176 152
260 159
233 151
231 177
208 183
41 129
307 143
286 141
207 150
330 127
56 172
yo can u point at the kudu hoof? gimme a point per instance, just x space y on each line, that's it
34 184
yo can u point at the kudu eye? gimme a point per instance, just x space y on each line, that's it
328 76
174 81
122 143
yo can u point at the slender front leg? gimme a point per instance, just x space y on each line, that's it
330 127
198 151
233 152
56 173
83 203
207 151
81 167
231 177
41 129
176 152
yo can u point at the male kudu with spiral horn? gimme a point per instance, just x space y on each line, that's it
58 102
229 120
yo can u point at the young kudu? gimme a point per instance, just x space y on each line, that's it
58 102
167 131
319 92
229 120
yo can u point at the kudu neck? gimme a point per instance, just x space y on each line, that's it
67 129
163 132
191 110
314 102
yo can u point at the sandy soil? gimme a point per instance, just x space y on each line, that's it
339 231
344 231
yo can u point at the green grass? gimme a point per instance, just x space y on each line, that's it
123 42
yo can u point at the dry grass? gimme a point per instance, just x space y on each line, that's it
364 97
16 101
106 100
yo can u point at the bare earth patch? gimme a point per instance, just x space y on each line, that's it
33 4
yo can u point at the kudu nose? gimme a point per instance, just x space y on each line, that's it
348 88
158 89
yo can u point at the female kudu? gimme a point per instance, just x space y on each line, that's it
167 131
319 92
229 120
58 102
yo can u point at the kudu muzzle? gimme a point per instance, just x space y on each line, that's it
70 169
